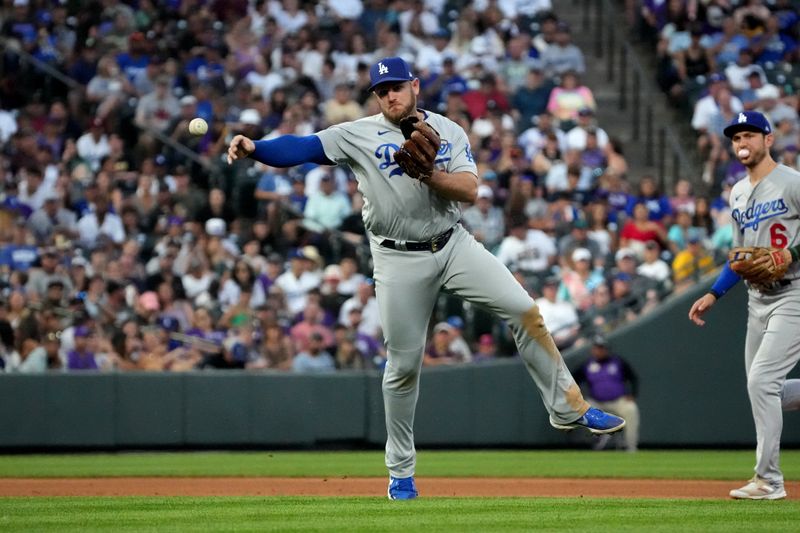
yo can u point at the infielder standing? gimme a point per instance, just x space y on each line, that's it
418 249
766 213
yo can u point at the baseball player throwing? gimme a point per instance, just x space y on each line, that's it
766 214
413 168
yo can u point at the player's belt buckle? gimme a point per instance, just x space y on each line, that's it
439 242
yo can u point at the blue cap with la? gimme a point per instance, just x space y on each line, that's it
750 121
389 69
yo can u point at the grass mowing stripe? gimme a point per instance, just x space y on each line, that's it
377 514
674 464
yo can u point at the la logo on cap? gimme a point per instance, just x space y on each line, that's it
742 118
382 69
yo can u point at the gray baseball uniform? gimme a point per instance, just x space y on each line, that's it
405 211
769 215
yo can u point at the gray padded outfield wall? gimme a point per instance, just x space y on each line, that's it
692 393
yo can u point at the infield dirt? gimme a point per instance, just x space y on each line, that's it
352 486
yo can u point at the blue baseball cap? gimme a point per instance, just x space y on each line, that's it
748 120
389 69
456 321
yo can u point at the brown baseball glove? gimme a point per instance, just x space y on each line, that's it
758 265
417 155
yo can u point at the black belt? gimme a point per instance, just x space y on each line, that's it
433 245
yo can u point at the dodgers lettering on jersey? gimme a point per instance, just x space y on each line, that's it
768 214
397 206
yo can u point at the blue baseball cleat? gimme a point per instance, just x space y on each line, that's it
596 421
402 488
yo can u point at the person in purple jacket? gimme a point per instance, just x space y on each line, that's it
611 385
81 357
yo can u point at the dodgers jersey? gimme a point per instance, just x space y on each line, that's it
769 213
397 206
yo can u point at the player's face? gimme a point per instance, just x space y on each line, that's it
751 147
397 100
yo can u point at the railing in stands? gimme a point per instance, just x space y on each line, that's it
662 149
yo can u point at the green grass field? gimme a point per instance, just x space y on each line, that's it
378 514
734 465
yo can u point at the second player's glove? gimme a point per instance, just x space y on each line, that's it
758 265
418 154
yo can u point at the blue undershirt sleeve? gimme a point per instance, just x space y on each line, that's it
725 281
290 150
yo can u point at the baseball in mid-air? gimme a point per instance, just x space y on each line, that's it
198 126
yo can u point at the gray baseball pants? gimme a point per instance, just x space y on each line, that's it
407 285
772 349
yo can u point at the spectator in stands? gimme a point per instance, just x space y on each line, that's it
48 270
560 316
692 263
155 109
100 223
694 60
658 205
488 97
296 282
312 322
682 199
530 100
348 356
579 278
702 219
611 384
530 251
458 344
351 277
327 208
725 44
485 221
107 88
655 268
438 351
93 145
772 45
603 315
639 229
679 232
486 349
625 262
562 56
315 358
578 237
568 98
242 276
364 300
277 348
739 72
32 358
82 357
576 137
52 218
769 103
342 107
707 107
790 157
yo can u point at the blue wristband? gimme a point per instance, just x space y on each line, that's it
725 281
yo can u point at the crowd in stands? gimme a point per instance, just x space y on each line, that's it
118 251
720 57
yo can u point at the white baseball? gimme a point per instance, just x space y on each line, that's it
198 126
